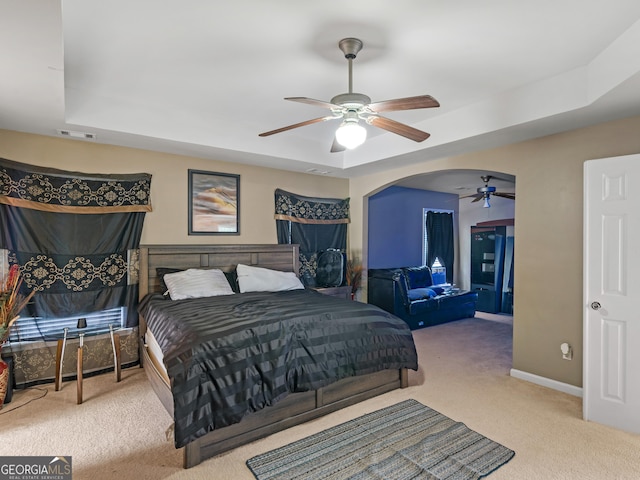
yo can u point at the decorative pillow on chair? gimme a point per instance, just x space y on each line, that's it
195 283
438 290
258 279
421 293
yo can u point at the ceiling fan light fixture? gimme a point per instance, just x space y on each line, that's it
486 203
350 134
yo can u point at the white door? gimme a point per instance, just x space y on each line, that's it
611 390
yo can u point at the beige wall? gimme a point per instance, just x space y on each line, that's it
548 241
548 234
168 223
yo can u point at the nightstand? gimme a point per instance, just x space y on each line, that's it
341 292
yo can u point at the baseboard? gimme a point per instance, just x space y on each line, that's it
547 382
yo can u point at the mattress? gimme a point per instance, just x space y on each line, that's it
155 354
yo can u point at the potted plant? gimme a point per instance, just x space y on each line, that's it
11 303
354 274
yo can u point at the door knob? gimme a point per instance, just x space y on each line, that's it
596 305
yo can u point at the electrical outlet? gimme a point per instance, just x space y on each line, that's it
567 351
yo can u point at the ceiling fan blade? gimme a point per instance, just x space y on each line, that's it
336 147
296 125
477 195
398 128
409 103
511 196
492 177
312 101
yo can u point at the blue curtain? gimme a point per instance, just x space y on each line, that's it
440 241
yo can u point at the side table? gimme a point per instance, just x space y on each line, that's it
71 333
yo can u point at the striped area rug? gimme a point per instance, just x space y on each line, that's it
404 441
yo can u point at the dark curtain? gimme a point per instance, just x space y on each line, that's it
440 241
75 236
316 224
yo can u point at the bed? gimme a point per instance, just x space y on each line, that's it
188 348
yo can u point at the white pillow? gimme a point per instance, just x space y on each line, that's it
196 282
257 279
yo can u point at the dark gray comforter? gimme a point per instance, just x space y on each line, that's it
231 355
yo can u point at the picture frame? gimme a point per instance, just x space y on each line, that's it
214 203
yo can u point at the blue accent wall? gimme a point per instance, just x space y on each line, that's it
395 224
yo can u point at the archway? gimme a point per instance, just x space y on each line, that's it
393 215
394 223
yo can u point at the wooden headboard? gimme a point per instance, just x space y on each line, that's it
225 257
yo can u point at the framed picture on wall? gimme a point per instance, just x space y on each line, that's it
214 203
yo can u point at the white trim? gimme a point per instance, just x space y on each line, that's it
547 382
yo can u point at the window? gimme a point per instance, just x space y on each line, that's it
29 329
425 240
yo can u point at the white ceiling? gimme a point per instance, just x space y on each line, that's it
203 78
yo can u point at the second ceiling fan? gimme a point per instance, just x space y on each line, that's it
484 193
352 107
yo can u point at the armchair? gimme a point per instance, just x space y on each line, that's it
409 293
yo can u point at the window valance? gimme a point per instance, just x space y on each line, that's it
300 209
52 190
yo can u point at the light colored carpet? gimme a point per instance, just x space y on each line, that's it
119 430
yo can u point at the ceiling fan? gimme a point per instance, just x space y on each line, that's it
352 107
484 193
